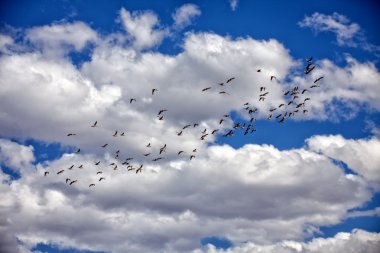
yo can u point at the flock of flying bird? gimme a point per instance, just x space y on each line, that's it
296 103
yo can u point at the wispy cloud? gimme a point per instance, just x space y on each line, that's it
347 33
234 4
184 15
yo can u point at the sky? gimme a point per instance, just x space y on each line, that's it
280 174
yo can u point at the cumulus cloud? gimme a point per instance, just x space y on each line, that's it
184 15
60 38
356 241
8 157
143 27
256 193
347 33
360 155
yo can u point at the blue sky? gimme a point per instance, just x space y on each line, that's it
66 64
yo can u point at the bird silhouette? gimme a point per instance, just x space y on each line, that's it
97 163
72 182
78 151
91 185
95 124
229 80
71 167
46 173
206 89
71 134
105 145
115 134
102 178
154 90
318 79
131 100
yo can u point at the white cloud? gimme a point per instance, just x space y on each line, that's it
344 30
234 4
8 157
5 42
256 193
362 155
184 15
143 27
60 38
347 33
356 241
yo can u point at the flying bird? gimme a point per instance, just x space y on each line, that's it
319 78
148 146
223 92
229 80
131 100
72 182
99 172
67 180
153 90
307 71
81 166
122 134
186 127
309 59
192 156
71 167
259 70
105 145
77 152
161 111
94 125
262 88
272 77
206 89
60 172
221 121
147 154
179 133
139 169
214 131
156 159
102 178
91 185
115 134
203 136
180 152
46 173
97 163
71 134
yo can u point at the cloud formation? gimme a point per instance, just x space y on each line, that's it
184 15
347 33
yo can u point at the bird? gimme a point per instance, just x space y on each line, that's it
158 158
78 151
131 100
272 109
102 178
161 111
314 86
214 131
278 116
286 93
148 145
71 167
153 90
105 145
259 70
97 163
139 169
122 134
281 105
112 164
115 134
221 84
60 172
204 131
72 182
192 156
46 173
319 78
262 89
203 136
309 59
229 80
91 185
81 166
307 71
114 168
180 152
291 102
306 99
230 133
94 125
226 115
67 180
71 134
299 105
179 133
269 117
304 90
206 89
272 77
246 103
194 150
146 154
261 98
221 121
264 94
99 172
160 117
223 92
186 127
129 158
195 125
282 119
